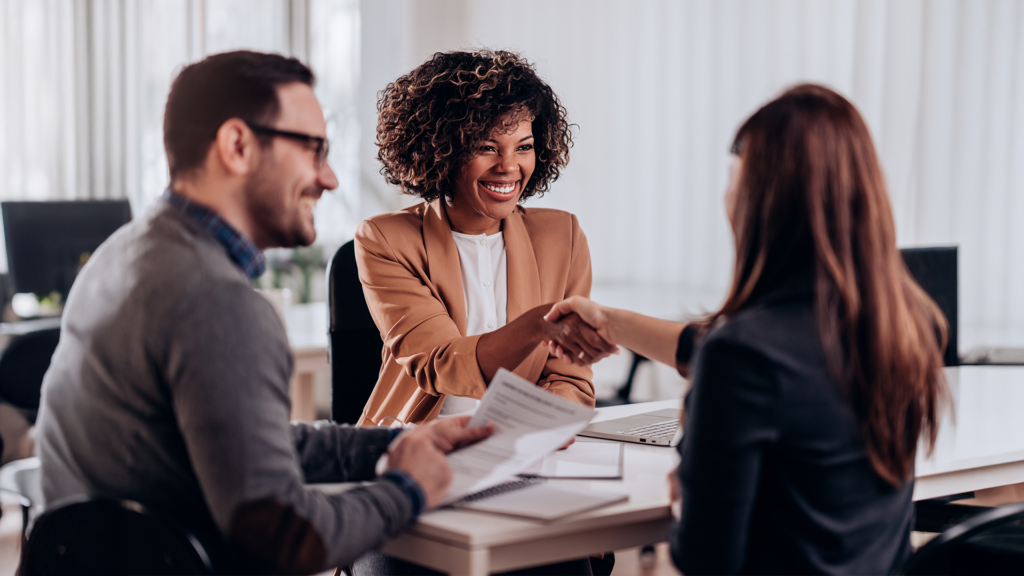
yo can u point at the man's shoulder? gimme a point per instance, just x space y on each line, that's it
172 245
159 258
167 226
181 278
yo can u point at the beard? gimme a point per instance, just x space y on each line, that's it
280 223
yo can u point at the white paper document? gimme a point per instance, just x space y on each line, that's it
530 423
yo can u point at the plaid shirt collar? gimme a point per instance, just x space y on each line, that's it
240 248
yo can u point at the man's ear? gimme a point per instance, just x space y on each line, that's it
236 147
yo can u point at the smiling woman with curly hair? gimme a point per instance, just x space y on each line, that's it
432 119
458 284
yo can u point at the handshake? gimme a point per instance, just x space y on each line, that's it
575 330
579 331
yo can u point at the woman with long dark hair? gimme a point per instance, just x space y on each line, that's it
814 382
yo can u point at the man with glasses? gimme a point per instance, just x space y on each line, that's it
170 383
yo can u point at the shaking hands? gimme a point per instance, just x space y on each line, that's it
581 333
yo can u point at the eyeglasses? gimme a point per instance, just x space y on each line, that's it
323 147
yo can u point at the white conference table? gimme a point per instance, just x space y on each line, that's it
981 443
982 449
476 543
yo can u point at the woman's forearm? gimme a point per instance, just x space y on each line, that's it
509 345
651 337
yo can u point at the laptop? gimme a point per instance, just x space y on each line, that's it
660 428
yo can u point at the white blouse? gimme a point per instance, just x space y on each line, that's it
485 287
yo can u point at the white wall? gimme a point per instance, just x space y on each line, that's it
659 87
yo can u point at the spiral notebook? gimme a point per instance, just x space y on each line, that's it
538 499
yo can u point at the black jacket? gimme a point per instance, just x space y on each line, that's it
775 478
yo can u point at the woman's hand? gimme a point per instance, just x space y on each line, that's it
651 337
591 312
575 341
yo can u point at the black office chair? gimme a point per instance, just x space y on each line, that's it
940 514
935 270
354 343
989 543
22 366
104 536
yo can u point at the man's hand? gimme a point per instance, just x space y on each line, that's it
420 453
448 434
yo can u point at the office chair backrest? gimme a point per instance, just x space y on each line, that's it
355 345
990 543
22 366
103 536
935 270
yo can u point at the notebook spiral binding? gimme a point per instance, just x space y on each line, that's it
510 486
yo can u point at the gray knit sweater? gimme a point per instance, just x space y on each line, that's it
170 387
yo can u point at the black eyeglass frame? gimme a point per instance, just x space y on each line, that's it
323 145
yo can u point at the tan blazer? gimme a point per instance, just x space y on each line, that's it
409 267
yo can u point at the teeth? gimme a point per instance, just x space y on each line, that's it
308 203
500 189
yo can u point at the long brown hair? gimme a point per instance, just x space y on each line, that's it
811 196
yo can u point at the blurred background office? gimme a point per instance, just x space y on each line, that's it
657 89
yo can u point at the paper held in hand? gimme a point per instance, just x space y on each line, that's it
530 423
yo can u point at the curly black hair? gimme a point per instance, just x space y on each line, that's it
431 120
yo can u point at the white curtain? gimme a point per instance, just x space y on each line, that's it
38 132
84 83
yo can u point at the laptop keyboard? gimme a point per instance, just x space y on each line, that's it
666 429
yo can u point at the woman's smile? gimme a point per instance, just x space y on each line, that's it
501 190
